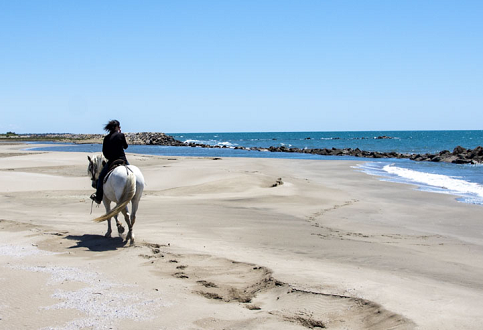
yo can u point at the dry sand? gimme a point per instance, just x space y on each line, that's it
221 245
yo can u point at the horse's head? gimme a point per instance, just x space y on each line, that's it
96 163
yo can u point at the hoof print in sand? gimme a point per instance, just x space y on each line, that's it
254 288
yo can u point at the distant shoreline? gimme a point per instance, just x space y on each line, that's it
133 138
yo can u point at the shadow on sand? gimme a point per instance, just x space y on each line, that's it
96 243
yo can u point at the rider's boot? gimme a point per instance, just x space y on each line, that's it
95 199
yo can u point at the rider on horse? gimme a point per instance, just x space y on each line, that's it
113 149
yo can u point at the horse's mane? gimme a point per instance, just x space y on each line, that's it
97 160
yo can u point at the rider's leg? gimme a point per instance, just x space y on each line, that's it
97 197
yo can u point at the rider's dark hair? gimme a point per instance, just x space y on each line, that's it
111 126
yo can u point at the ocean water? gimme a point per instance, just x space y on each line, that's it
463 181
399 141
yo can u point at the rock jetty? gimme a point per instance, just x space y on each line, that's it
149 138
459 155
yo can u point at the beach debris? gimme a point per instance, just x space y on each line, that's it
277 183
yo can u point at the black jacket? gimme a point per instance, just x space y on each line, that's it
113 146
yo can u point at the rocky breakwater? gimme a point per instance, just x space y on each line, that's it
150 138
143 138
459 155
340 152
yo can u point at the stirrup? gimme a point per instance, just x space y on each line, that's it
94 198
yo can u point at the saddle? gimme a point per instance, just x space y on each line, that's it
113 166
116 163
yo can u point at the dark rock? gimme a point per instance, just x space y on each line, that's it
477 152
383 137
458 150
462 161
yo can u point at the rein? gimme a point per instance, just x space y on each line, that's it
92 204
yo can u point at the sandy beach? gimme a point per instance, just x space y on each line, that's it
235 243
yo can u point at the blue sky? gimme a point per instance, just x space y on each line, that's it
236 66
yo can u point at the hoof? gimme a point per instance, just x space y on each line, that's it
120 229
130 238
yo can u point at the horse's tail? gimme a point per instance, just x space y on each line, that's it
127 194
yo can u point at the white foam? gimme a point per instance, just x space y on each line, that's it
193 141
437 180
470 191
228 144
210 142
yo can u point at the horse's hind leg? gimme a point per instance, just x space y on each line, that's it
135 204
107 205
120 227
109 229
129 236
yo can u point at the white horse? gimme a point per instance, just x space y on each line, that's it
124 184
